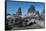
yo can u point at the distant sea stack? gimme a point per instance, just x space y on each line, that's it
31 10
18 11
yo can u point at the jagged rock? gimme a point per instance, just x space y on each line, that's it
43 14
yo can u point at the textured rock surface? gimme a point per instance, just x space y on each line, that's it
25 22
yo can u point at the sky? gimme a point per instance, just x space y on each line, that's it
12 6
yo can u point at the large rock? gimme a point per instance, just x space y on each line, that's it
43 14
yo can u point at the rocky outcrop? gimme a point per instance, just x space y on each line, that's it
28 20
43 14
